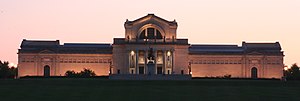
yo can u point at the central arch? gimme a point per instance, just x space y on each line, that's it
150 33
254 72
46 71
152 26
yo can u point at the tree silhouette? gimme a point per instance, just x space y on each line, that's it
87 73
84 73
6 72
293 73
71 73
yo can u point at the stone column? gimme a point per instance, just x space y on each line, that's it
128 54
172 54
145 58
136 61
129 61
54 63
164 61
155 61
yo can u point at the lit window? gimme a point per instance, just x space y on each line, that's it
150 33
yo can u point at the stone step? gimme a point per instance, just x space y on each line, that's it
149 77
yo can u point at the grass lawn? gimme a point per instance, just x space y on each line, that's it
193 90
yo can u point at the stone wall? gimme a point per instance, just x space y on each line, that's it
33 64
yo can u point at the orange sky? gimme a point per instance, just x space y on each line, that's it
201 21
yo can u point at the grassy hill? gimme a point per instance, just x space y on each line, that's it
109 90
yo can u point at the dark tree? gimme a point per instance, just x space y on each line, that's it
71 73
6 72
84 73
87 73
293 73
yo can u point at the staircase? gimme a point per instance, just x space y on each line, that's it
149 77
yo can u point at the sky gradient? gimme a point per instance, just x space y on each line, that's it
201 21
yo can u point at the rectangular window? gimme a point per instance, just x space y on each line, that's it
159 57
27 60
226 61
159 70
141 70
200 62
141 58
150 33
23 59
231 62
278 62
92 61
119 71
195 62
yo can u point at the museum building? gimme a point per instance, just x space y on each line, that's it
151 48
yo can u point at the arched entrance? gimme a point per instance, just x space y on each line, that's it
254 72
46 71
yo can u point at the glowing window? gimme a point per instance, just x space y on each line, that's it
150 33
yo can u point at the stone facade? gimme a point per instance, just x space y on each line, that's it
151 47
35 57
251 60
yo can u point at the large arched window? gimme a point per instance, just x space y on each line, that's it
150 33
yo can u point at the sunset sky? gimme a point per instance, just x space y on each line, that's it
201 21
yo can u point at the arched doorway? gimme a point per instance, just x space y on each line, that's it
46 71
254 73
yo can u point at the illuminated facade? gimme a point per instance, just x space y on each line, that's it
151 47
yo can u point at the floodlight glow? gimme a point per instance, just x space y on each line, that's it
12 65
285 68
169 53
